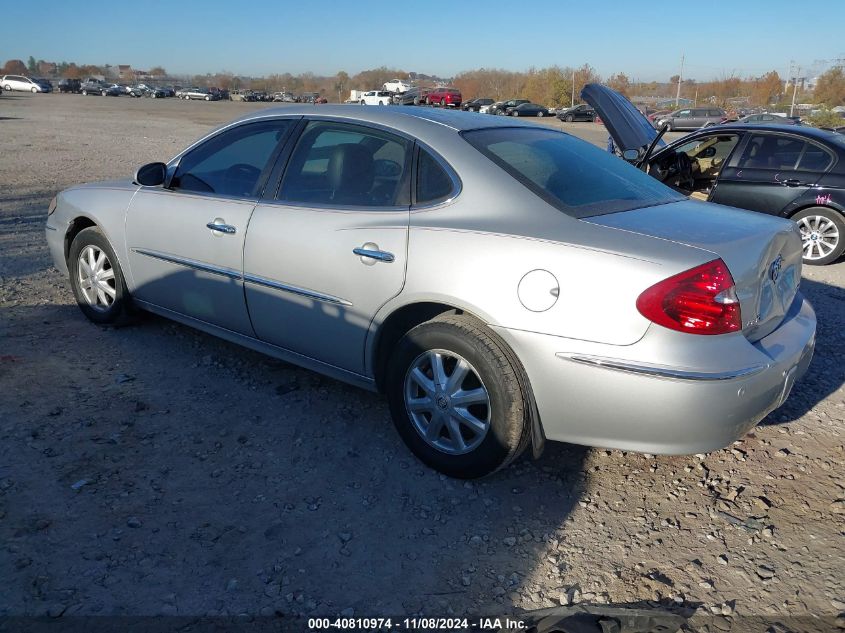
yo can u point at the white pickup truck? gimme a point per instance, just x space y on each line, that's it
376 97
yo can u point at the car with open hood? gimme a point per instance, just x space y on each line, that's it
501 282
793 171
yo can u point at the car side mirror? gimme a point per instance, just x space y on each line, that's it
151 174
630 155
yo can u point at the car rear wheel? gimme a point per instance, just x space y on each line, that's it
822 232
96 278
569 118
455 397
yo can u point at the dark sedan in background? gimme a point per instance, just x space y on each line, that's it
793 172
529 109
474 105
581 112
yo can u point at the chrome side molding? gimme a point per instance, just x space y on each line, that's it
658 371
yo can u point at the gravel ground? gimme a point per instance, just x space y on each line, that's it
156 470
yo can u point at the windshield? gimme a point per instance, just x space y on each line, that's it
572 175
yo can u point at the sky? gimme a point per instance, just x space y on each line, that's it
644 40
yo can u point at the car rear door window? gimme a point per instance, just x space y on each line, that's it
770 151
347 165
233 162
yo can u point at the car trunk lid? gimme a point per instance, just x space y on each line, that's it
762 253
626 125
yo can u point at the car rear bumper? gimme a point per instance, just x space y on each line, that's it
619 397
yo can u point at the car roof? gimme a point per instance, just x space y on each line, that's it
774 127
400 117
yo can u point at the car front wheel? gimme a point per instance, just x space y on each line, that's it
96 278
455 397
822 232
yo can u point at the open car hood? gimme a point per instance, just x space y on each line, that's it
628 128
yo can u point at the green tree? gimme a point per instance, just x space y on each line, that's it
830 89
825 118
32 65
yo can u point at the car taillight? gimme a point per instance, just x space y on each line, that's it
701 300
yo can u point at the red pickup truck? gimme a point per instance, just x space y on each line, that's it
444 97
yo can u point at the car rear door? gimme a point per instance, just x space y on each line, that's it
770 171
185 241
329 249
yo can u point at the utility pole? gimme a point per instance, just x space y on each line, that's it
572 105
794 91
680 79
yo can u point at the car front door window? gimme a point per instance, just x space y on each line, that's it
233 163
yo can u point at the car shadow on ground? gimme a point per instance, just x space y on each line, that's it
180 474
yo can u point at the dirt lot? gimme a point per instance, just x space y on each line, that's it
156 470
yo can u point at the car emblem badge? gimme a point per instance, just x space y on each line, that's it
774 269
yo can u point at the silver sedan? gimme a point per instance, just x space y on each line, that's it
501 282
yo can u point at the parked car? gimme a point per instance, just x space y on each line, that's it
475 105
23 84
69 85
376 97
396 85
198 93
444 97
654 117
529 109
584 302
284 97
691 118
503 108
769 119
493 108
581 112
93 86
412 96
794 172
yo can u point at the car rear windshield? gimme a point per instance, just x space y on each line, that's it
576 177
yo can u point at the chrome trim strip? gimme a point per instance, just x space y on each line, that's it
310 294
658 371
190 263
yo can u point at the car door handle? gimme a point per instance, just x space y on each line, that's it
382 256
217 225
792 182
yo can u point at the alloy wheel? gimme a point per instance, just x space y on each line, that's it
446 401
96 278
820 236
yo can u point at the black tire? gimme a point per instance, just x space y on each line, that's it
569 118
416 101
119 311
669 127
84 93
443 103
514 113
838 222
103 93
508 429
540 114
34 90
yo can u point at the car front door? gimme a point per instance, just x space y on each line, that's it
769 172
330 250
185 242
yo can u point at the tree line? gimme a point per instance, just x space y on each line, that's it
552 86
